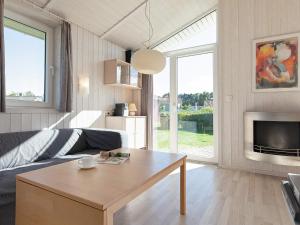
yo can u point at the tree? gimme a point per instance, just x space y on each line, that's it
28 94
195 99
17 94
13 94
188 100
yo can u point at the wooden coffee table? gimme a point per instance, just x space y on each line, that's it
64 195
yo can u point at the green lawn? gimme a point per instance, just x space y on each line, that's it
186 139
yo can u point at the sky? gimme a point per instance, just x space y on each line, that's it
24 62
195 75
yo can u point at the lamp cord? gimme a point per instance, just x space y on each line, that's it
150 27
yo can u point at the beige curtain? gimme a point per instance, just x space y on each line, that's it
147 106
2 59
66 78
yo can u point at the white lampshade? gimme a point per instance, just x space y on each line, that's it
84 85
148 61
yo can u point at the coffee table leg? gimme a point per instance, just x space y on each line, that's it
108 218
183 188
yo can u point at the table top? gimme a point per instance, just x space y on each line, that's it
105 184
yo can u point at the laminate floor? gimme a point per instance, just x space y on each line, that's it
214 196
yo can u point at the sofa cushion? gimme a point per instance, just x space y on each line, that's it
21 148
66 141
102 139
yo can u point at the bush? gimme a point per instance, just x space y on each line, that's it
203 119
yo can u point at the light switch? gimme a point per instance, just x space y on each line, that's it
228 98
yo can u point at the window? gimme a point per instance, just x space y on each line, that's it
27 57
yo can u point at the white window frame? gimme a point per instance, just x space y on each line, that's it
49 69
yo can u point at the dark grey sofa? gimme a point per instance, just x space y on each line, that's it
26 151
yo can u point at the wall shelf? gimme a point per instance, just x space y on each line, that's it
121 74
124 86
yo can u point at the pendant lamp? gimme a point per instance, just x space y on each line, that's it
148 61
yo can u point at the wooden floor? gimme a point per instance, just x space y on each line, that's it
214 196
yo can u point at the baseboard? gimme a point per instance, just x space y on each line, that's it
264 172
201 162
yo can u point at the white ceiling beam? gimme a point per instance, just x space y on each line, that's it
47 3
120 21
44 10
59 18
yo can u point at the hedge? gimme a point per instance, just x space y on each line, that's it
203 119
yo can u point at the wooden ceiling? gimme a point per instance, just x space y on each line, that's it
99 16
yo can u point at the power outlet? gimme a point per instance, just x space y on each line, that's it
109 113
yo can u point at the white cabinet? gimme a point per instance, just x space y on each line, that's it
135 127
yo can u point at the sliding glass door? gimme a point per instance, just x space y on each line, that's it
185 105
195 105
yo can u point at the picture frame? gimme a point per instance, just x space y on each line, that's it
276 63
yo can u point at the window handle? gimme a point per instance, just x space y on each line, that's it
51 71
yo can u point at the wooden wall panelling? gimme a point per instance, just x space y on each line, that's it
60 120
239 23
100 72
225 69
72 116
85 71
5 122
36 121
90 71
44 120
26 123
79 73
234 78
97 81
245 25
15 122
52 121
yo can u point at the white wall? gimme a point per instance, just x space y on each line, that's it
89 53
241 21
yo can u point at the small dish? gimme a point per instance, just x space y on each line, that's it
87 162
86 167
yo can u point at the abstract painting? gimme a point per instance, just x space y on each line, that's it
276 63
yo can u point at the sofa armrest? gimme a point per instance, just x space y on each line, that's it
123 134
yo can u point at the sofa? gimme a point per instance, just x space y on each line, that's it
26 151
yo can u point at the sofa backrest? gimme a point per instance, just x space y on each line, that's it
20 148
102 139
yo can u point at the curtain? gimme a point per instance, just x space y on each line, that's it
147 106
66 78
2 59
